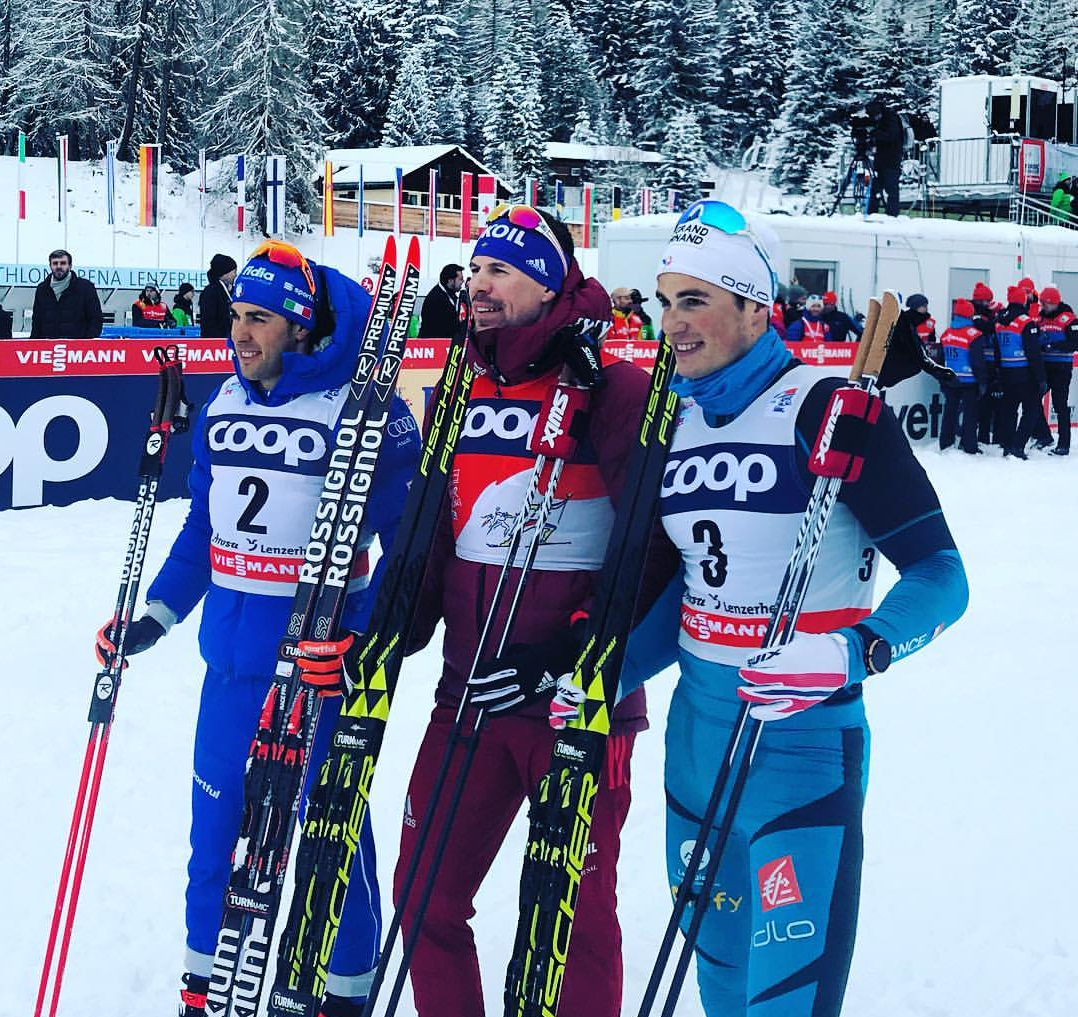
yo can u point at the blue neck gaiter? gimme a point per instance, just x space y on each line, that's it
727 391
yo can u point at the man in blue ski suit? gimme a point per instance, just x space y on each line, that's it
778 935
261 450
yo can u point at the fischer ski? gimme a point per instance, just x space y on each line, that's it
561 809
337 805
277 763
170 415
832 468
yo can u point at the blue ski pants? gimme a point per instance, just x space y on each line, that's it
778 936
228 716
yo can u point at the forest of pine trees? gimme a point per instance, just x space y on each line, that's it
695 79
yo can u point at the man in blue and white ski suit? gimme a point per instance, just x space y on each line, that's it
779 931
261 450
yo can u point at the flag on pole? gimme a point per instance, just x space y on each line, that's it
359 196
559 199
241 190
432 201
149 176
531 191
203 187
22 162
275 195
398 200
672 199
615 203
466 208
61 178
488 191
327 200
645 201
110 182
586 241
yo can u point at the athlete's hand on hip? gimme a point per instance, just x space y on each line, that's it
526 672
329 667
141 635
790 679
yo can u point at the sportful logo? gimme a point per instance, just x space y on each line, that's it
778 884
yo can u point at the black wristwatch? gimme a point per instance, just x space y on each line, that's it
877 650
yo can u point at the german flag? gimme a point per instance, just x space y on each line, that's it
149 174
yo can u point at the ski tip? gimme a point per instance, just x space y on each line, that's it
413 253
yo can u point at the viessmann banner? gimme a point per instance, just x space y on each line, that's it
73 412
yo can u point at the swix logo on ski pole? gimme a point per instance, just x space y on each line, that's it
552 428
23 446
295 444
829 430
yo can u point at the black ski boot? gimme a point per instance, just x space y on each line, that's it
193 996
339 1006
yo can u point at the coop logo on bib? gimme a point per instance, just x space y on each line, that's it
720 471
742 476
294 444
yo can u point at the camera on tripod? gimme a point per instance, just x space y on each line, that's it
862 130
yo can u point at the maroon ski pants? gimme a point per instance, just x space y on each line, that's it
512 755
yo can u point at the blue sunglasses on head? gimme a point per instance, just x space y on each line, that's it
728 220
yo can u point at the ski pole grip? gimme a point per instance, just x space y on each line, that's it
562 422
871 320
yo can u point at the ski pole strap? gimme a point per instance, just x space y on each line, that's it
562 422
170 413
843 439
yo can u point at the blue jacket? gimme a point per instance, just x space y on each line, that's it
240 631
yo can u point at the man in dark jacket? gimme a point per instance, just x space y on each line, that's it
841 327
440 317
963 351
66 306
216 299
889 136
1059 342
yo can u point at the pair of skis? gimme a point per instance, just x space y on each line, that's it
277 763
170 416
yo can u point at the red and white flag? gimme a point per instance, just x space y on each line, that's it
488 198
586 239
241 190
466 208
645 201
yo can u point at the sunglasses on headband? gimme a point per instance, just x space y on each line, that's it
286 256
728 220
528 218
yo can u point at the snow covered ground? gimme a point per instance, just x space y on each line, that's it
969 900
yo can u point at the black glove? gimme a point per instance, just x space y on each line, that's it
995 388
982 388
578 346
526 672
141 635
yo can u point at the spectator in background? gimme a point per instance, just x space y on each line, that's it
149 311
215 300
183 313
1059 341
890 137
440 316
7 323
647 330
810 326
66 306
988 404
841 326
963 352
778 311
795 302
917 305
1022 369
627 324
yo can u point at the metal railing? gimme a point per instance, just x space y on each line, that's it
990 161
1027 210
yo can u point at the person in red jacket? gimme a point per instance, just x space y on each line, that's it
150 311
530 304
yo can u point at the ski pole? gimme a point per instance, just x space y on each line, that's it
170 415
780 630
529 512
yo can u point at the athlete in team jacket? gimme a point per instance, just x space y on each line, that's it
261 449
779 932
530 303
